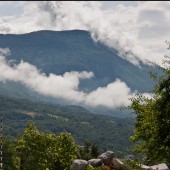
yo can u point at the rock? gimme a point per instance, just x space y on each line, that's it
117 164
106 157
162 166
79 164
95 162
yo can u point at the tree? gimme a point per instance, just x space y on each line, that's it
38 150
35 149
67 151
94 150
89 151
152 131
9 157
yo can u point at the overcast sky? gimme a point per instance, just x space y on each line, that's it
138 30
16 9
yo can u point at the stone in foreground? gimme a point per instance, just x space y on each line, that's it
95 162
106 157
79 164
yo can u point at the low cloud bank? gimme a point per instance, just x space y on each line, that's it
66 86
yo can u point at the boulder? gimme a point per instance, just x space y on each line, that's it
79 164
106 157
162 166
95 162
117 164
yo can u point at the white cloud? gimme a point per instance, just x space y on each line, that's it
135 31
114 94
65 86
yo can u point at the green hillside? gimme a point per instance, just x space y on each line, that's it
108 132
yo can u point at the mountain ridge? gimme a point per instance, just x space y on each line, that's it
58 52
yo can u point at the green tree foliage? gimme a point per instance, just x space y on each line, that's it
94 150
37 150
67 150
90 150
152 132
9 157
108 132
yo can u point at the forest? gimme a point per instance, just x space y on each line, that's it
109 133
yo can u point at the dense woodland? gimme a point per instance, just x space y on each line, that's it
107 132
35 150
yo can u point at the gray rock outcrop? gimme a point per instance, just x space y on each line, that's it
106 157
79 164
95 162
117 164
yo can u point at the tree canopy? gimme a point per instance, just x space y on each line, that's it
37 150
152 126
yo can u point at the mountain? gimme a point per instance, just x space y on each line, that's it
64 51
108 132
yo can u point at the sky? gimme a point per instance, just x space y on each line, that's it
11 8
137 29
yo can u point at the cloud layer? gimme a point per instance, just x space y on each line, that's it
137 32
66 86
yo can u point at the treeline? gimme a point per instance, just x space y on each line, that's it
108 132
35 150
